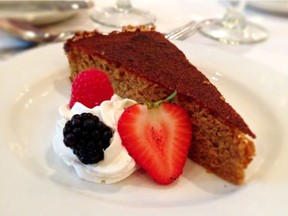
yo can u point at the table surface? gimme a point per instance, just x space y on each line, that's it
272 52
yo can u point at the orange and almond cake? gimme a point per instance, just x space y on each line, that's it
144 66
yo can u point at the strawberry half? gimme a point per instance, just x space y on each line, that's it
91 87
158 138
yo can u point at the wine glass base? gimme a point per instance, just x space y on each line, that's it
114 17
239 34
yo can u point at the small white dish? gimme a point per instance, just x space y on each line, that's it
42 12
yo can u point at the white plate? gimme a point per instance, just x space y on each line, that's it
34 180
270 6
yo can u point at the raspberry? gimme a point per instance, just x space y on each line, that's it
88 137
91 87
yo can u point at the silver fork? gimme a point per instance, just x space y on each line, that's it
182 31
187 30
33 34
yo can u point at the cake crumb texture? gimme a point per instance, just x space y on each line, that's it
144 66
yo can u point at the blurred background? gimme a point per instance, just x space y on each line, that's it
56 17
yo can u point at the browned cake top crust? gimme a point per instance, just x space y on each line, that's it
150 55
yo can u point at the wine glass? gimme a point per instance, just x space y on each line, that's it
233 28
122 14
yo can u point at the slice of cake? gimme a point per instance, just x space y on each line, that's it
144 66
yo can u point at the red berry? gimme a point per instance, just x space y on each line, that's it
157 138
91 87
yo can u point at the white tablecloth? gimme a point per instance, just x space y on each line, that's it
174 13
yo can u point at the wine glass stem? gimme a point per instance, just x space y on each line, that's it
233 17
238 5
123 4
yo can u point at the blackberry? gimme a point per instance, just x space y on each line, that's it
88 137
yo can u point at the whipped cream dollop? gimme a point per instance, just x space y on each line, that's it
117 164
